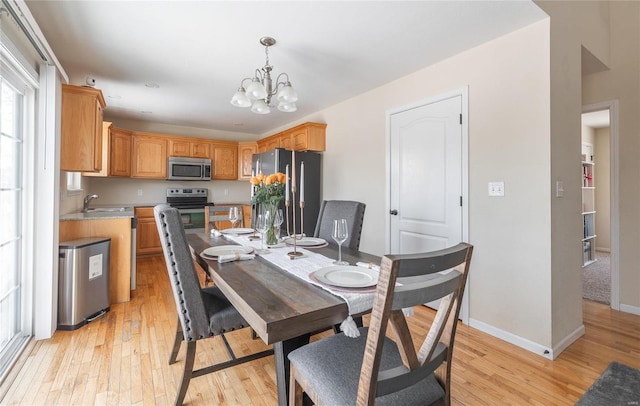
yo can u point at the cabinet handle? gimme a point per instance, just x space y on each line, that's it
393 212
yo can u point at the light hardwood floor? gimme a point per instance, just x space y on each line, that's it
122 359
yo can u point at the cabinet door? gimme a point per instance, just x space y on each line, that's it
120 153
179 148
245 155
309 137
200 149
149 158
81 129
285 141
225 162
147 238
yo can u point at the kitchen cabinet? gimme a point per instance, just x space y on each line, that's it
81 132
119 230
225 161
269 143
304 137
149 156
308 137
245 155
147 238
199 148
116 152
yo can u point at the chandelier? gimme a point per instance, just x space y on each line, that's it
261 89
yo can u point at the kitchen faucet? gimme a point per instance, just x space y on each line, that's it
87 199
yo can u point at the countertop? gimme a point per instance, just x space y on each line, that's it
127 213
98 215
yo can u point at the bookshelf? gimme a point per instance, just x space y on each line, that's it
588 212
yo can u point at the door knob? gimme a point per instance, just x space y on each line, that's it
393 212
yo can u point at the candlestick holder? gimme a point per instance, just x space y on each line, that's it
295 253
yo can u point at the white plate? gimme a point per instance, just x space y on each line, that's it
306 241
347 276
237 231
214 252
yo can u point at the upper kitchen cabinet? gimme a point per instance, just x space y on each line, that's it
305 137
187 148
149 156
245 156
116 152
81 138
225 160
308 137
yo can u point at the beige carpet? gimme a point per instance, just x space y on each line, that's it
596 279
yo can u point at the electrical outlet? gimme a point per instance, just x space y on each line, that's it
140 192
496 188
226 192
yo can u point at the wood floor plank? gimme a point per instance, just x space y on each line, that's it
122 359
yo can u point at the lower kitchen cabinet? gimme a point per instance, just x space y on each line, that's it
119 230
147 238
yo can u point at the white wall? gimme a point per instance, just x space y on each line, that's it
508 81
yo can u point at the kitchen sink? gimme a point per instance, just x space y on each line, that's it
104 209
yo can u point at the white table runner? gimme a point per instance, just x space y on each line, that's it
306 264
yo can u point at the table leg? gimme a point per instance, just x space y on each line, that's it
281 351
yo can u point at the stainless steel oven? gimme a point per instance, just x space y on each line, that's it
191 203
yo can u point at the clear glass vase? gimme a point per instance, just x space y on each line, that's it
271 237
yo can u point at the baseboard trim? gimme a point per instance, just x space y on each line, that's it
568 340
630 309
521 342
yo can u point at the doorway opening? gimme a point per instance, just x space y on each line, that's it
599 204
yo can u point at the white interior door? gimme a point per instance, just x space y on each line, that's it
426 177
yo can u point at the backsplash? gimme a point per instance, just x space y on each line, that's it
125 191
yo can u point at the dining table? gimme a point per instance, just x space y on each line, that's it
283 309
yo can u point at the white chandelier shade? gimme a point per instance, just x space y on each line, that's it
259 93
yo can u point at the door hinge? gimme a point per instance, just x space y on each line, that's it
460 118
460 201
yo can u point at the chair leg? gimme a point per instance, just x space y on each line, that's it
186 375
176 344
295 390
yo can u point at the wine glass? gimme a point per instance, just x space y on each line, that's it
278 222
340 235
234 216
262 225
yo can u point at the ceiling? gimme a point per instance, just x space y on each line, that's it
197 52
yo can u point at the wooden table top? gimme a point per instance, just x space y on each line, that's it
277 305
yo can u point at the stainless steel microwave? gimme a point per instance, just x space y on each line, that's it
189 168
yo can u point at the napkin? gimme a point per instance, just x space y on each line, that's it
235 257
407 311
215 232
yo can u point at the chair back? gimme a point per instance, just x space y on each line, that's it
406 281
213 214
331 210
182 274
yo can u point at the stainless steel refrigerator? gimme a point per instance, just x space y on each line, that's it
276 161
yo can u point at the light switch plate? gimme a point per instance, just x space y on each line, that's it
496 188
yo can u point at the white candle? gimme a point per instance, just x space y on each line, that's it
293 170
302 182
251 184
286 184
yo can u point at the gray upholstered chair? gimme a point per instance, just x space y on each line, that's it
202 312
341 209
372 368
